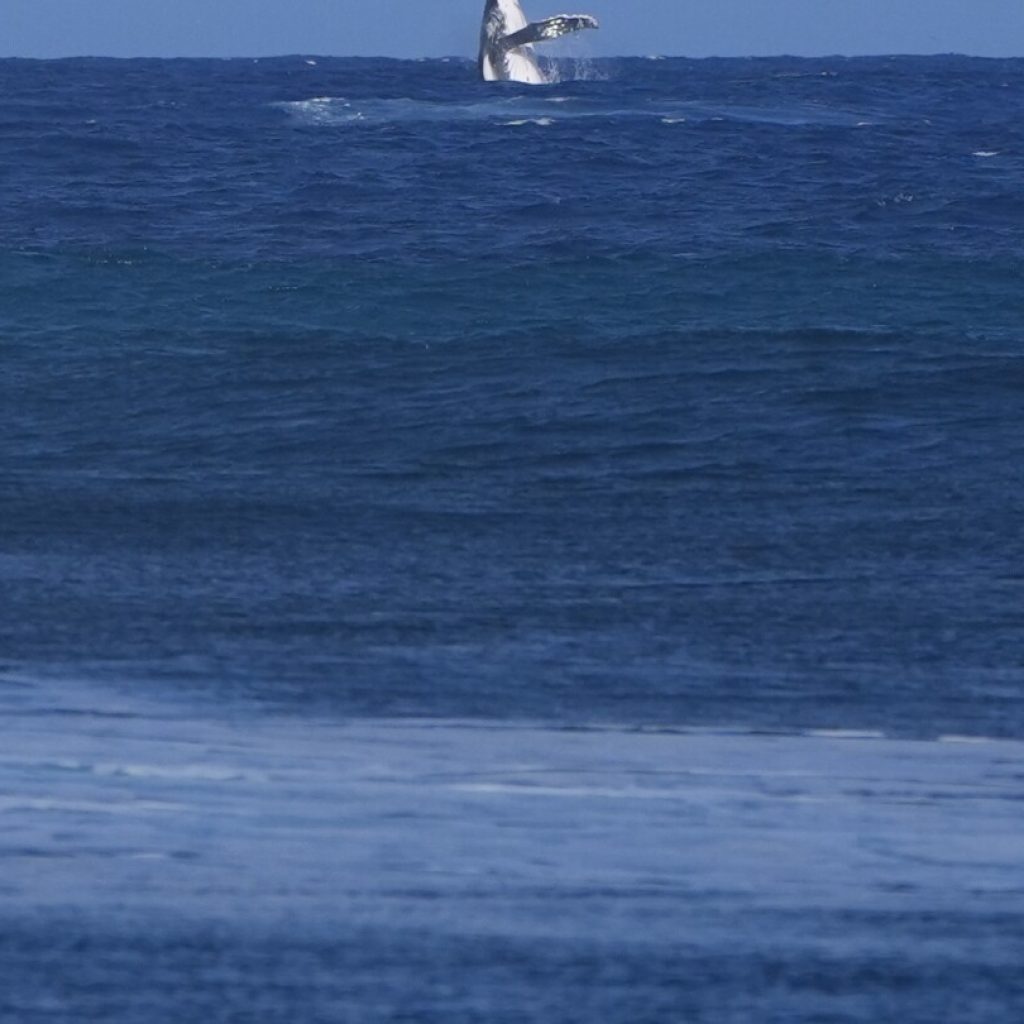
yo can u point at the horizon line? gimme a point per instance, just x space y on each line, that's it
309 55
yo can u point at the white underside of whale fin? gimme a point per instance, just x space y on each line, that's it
518 65
522 67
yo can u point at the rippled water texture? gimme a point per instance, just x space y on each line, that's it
480 555
688 393
167 863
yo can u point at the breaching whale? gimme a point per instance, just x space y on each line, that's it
506 38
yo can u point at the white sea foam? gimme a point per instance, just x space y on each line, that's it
172 773
323 110
520 109
580 792
55 806
579 69
846 734
332 816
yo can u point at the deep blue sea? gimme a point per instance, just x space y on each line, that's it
674 395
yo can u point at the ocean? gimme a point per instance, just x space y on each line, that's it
481 553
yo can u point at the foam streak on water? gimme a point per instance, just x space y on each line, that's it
450 864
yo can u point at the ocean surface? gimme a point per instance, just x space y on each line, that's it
479 553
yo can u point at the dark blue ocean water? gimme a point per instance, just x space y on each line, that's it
679 391
340 396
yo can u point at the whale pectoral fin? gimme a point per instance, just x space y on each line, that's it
550 28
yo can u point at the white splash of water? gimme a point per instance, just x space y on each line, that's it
575 69
543 122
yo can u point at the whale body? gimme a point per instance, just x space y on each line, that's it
507 38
